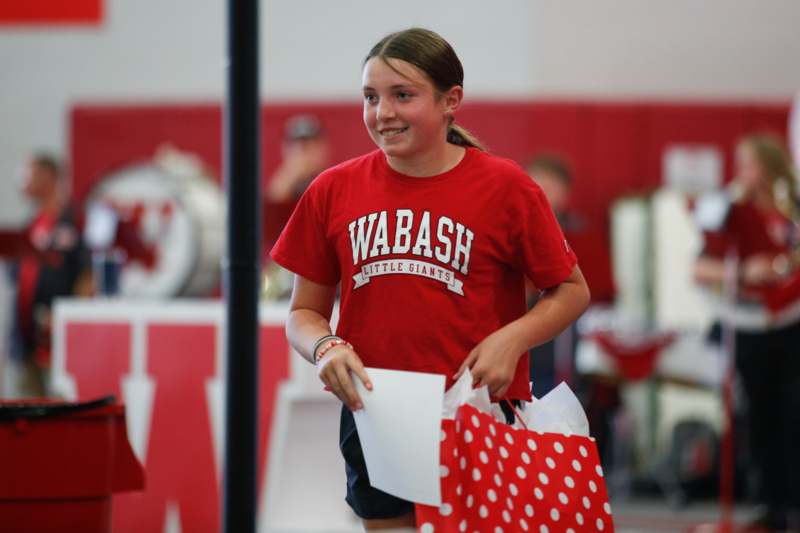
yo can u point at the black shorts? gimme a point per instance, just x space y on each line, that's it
366 501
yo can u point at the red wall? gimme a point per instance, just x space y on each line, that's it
614 147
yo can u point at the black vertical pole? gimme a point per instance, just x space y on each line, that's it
241 268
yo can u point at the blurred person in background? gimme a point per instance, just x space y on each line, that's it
761 228
305 153
553 361
554 176
52 263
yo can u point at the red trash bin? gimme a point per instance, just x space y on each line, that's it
61 462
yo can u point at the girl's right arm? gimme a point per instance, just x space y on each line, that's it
755 270
709 271
309 320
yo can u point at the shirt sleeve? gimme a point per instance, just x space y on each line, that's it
303 246
542 252
715 244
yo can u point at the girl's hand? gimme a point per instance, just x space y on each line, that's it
334 371
493 362
758 270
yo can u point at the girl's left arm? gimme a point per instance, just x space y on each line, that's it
493 362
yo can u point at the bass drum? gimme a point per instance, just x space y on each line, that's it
177 213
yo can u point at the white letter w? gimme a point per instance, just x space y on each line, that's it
360 242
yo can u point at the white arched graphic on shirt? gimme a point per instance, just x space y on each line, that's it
414 268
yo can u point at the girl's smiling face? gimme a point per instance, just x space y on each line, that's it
404 113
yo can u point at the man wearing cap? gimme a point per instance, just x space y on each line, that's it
305 154
55 263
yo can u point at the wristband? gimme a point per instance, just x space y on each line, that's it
320 342
331 344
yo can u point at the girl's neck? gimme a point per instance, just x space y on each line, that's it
762 197
429 163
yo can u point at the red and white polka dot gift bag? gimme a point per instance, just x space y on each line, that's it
499 479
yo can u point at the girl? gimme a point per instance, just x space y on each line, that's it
431 238
762 229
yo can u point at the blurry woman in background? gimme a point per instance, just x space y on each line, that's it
762 229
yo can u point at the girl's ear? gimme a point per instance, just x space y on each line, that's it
453 98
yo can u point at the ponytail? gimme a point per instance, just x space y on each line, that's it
462 137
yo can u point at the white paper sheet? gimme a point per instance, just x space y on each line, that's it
399 428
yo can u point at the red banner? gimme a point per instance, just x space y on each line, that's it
50 12
166 379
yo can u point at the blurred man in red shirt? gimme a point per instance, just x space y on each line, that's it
52 263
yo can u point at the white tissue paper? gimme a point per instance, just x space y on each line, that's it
558 411
462 393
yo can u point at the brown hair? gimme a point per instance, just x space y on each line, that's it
434 56
552 164
777 167
48 162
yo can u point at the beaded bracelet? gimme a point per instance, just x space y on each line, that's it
328 345
320 342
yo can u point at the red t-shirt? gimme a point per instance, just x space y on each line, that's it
39 234
750 231
429 266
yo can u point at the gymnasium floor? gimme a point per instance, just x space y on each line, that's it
654 516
